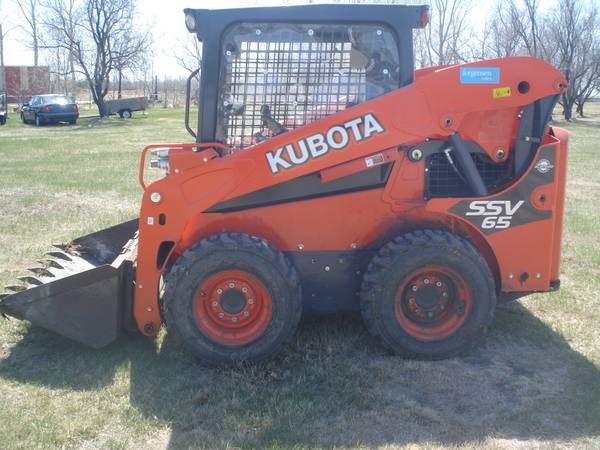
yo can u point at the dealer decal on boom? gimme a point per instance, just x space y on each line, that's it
338 137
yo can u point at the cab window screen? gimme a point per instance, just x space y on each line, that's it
277 77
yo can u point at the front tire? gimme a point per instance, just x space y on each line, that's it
125 114
38 121
232 298
428 294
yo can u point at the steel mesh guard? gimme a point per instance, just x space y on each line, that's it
299 73
442 181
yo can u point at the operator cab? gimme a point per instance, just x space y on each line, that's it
281 68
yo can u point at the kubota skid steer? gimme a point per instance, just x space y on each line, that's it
327 175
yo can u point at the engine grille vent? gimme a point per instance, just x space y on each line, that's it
443 181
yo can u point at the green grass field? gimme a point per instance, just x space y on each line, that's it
534 381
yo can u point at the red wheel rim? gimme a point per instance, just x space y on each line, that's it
232 307
433 303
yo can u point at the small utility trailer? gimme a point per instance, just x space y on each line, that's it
125 107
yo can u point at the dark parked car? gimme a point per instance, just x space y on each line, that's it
43 109
3 109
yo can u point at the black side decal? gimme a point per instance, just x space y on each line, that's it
306 187
512 208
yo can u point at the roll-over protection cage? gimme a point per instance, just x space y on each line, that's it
265 70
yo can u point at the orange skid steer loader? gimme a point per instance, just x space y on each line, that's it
326 175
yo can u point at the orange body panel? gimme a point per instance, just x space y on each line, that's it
435 106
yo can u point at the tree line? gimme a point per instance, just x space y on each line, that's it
100 40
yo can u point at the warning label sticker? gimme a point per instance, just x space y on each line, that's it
502 92
374 160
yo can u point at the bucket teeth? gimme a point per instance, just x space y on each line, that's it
15 287
50 263
60 255
31 280
42 271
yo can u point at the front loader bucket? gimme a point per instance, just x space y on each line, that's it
80 289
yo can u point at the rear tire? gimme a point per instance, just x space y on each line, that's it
232 298
125 114
428 294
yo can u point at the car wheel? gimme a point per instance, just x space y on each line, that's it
72 121
23 119
125 114
38 121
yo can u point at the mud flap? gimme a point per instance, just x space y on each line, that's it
83 290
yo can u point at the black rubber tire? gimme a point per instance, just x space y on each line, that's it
396 261
23 119
38 121
232 251
125 114
72 122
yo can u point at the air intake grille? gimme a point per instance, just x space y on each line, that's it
443 181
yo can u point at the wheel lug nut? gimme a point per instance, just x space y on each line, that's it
438 284
231 285
215 304
426 281
445 294
250 301
414 288
234 319
221 315
219 291
246 313
244 290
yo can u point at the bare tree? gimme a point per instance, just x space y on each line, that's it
30 10
99 35
130 56
189 53
590 85
574 30
445 39
515 28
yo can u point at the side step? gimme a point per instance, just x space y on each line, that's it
81 290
